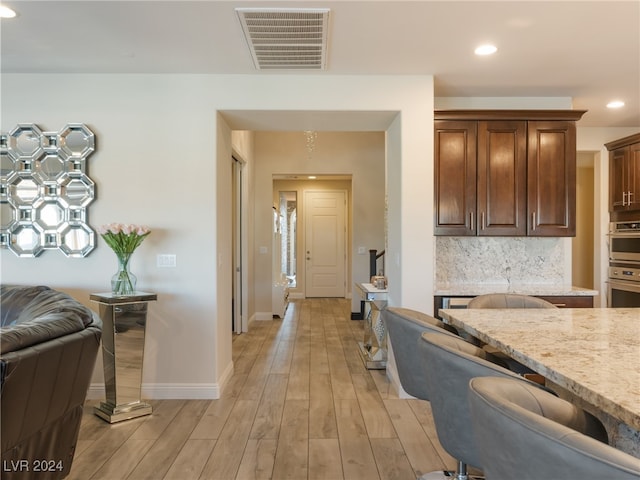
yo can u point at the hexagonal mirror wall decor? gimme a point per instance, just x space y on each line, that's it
45 190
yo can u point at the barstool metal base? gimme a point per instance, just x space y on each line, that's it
448 475
437 475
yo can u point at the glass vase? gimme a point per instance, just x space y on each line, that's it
123 283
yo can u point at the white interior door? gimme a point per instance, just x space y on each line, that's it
325 234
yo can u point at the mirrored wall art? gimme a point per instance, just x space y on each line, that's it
45 190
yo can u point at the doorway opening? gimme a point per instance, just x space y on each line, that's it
582 245
288 217
311 236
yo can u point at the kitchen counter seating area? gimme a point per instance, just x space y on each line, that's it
592 354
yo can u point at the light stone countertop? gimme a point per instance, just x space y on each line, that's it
370 288
470 289
594 353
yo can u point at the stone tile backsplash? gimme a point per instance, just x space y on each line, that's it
499 260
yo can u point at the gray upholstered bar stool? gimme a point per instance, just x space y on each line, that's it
509 300
404 328
525 433
449 363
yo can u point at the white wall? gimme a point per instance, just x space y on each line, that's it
154 164
162 159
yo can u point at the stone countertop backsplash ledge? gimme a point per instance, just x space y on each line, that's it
470 289
479 265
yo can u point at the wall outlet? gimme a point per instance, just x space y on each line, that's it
166 260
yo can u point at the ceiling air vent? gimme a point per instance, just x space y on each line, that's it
286 38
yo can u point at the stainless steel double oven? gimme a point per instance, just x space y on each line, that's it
623 289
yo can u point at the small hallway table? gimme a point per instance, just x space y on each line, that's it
124 320
373 347
593 353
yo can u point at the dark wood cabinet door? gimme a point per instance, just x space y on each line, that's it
455 177
633 182
570 301
551 178
624 178
502 178
618 163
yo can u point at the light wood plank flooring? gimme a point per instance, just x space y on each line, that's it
300 405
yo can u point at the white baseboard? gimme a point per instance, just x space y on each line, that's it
301 296
181 391
263 316
397 387
225 377
165 391
96 391
173 391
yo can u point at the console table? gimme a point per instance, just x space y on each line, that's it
124 320
373 348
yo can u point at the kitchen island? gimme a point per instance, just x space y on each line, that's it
592 353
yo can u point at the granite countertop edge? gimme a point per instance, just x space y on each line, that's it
469 289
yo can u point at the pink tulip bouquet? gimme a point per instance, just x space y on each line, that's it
122 238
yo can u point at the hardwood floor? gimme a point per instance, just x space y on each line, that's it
300 405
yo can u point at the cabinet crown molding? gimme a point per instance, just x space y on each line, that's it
566 115
623 142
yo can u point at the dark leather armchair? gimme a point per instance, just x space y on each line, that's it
48 347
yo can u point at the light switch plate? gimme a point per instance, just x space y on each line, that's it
166 260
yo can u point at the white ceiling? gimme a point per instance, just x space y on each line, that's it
586 50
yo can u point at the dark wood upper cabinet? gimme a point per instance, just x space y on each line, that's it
481 177
551 178
505 173
455 177
624 178
502 177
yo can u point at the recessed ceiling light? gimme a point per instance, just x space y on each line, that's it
486 49
6 12
615 104
311 177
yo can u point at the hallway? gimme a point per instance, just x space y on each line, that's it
300 405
